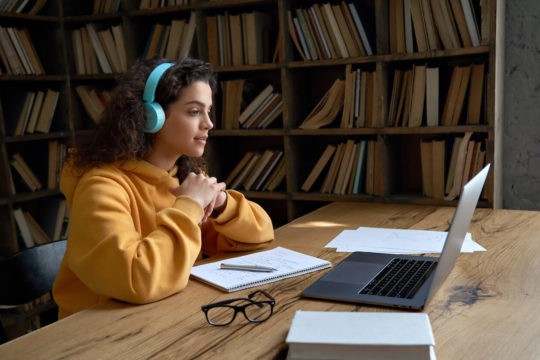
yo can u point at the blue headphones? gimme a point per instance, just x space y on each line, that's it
155 115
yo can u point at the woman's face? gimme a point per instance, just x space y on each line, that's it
187 123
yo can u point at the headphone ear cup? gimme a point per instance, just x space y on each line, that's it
155 117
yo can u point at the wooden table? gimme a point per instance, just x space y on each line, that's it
488 308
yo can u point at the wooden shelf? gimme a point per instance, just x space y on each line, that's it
302 84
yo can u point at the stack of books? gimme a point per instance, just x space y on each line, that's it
99 49
258 170
18 53
420 25
360 335
329 31
174 40
238 39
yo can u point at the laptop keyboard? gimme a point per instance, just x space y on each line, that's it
400 278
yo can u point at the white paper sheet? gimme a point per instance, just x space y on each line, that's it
396 241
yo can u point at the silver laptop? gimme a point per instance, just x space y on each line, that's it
400 280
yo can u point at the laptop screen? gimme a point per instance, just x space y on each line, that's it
458 228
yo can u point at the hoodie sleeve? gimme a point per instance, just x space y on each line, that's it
243 225
112 258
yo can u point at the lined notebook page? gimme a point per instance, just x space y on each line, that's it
288 263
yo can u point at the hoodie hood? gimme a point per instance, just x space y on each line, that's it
141 169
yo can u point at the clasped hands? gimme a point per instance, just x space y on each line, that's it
205 190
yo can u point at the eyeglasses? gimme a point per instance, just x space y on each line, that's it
257 307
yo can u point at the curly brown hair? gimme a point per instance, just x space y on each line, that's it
119 136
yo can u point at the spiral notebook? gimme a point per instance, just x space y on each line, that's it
288 263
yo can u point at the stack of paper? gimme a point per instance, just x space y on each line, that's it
396 241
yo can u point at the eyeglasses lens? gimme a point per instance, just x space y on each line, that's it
221 315
258 312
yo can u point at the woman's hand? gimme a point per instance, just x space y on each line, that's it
205 190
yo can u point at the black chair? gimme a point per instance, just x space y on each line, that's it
26 276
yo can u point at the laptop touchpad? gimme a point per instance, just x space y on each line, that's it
353 272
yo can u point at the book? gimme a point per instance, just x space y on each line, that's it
237 48
348 100
318 168
352 28
36 8
294 36
327 109
24 115
277 177
476 88
255 103
35 111
187 36
472 24
360 335
211 38
407 25
98 49
268 170
271 113
39 236
309 37
251 121
360 169
26 172
431 30
258 25
454 189
111 52
419 25
360 28
322 31
345 32
78 52
438 157
90 57
288 263
24 228
334 29
396 27
11 59
345 168
239 167
244 173
461 95
461 23
445 23
265 158
231 102
432 96
20 51
48 108
418 100
330 179
28 45
93 107
452 165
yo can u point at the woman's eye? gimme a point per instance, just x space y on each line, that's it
194 112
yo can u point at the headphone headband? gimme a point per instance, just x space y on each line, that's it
153 81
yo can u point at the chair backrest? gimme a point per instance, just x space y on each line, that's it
30 273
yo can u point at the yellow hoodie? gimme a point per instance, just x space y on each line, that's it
130 239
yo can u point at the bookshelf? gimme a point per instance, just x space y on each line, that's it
33 130
386 49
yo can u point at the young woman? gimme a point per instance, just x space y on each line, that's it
142 208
